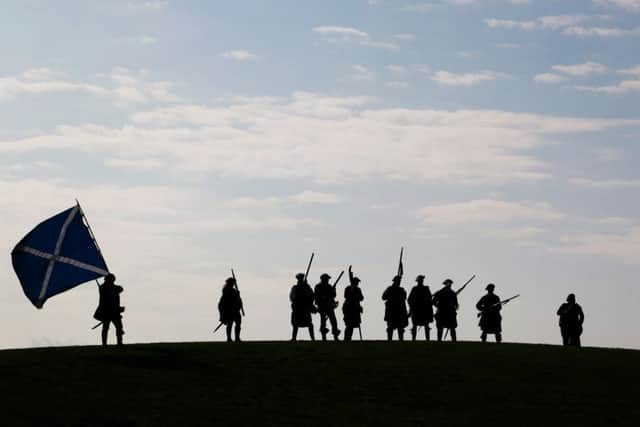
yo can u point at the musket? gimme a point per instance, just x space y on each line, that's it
306 274
360 332
498 304
338 279
96 326
400 267
218 327
465 285
233 274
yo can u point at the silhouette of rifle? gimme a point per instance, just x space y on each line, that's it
338 279
306 274
400 266
498 304
233 274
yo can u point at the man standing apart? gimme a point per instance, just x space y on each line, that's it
571 320
109 309
230 308
301 297
325 297
395 313
446 302
420 307
490 318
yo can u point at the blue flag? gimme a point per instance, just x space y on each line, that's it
57 255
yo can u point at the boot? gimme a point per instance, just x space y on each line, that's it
414 331
237 333
105 334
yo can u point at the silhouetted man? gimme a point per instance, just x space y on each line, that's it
421 308
230 308
490 319
446 302
571 320
109 309
325 297
301 297
351 308
395 309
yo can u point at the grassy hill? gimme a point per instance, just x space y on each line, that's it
331 384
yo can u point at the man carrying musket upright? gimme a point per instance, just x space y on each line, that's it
395 309
446 302
230 308
301 297
420 308
325 297
352 308
109 309
490 318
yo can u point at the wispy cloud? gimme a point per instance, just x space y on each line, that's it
630 5
580 70
239 55
601 32
150 5
334 34
549 78
568 24
632 71
624 86
405 36
606 184
447 78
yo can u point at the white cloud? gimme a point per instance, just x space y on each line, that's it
625 245
152 5
630 5
549 78
632 71
447 78
239 55
316 198
617 89
126 86
511 24
334 34
398 69
601 32
322 138
362 74
488 210
585 69
405 36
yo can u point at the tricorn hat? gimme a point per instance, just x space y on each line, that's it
300 276
420 277
447 282
396 278
356 279
490 286
230 280
111 278
325 276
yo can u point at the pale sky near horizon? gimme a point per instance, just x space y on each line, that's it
488 137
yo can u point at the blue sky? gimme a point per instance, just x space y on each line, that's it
488 137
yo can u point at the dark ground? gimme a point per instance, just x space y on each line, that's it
330 384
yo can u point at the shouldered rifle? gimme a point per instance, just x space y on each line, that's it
499 304
306 274
465 285
235 281
338 279
400 266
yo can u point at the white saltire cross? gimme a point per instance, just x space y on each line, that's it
55 256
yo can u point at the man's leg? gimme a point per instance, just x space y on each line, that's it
401 334
105 331
311 333
498 337
294 333
119 331
483 336
334 325
389 333
238 328
414 331
439 333
228 327
348 332
323 325
452 331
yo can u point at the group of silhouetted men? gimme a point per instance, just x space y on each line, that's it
306 301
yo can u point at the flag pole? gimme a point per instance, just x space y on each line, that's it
93 236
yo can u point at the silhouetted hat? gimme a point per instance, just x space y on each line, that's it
356 279
230 280
111 278
325 276
571 297
490 286
300 276
396 278
420 277
447 282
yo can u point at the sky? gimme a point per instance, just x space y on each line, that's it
491 137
